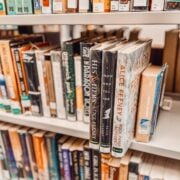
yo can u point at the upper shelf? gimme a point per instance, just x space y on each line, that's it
124 18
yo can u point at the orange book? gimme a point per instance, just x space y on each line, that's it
2 7
104 166
101 5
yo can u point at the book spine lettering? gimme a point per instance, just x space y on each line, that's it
27 7
87 164
10 7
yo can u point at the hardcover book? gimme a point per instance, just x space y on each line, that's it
2 7
37 6
140 5
28 6
157 5
46 6
172 5
105 166
96 164
101 5
85 6
10 6
114 5
124 5
19 7
131 62
72 6
57 6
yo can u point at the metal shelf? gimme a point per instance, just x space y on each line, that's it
124 18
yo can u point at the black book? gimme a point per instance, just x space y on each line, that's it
96 158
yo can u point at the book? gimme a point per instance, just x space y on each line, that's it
28 7
19 7
70 49
46 6
37 6
171 5
2 7
114 166
40 62
8 150
131 62
67 161
101 5
114 5
84 6
41 157
61 141
22 132
57 6
140 5
169 56
157 5
31 152
96 164
124 5
72 6
58 83
95 92
105 166
49 84
177 74
88 162
79 88
17 149
152 79
51 144
10 6
85 56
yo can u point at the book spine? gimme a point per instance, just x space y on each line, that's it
37 6
107 100
157 5
57 6
95 93
31 154
33 83
58 84
19 6
104 166
40 65
68 64
96 156
75 167
46 6
72 6
6 173
124 5
49 84
27 6
85 55
81 165
79 88
26 162
66 164
98 6
124 172
3 7
11 7
133 170
113 172
114 5
9 154
61 166
52 158
87 163
84 5
140 5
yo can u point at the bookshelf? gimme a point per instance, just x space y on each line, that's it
95 18
163 143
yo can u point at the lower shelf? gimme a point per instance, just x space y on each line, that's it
165 142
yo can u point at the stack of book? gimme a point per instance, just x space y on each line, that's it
35 154
19 7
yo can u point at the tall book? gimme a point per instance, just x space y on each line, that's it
149 101
31 152
40 150
114 167
96 164
46 6
131 62
58 83
105 166
17 150
101 5
10 6
70 49
88 170
51 143
79 89
67 161
85 56
95 92
2 7
25 155
49 84
40 62
169 56
177 75
9 152
60 142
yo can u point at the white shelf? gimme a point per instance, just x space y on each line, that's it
77 129
166 141
125 18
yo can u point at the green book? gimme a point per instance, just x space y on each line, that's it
11 7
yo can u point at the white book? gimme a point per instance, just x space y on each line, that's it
79 88
157 5
58 83
46 6
130 63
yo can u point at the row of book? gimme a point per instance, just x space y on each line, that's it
12 7
35 154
